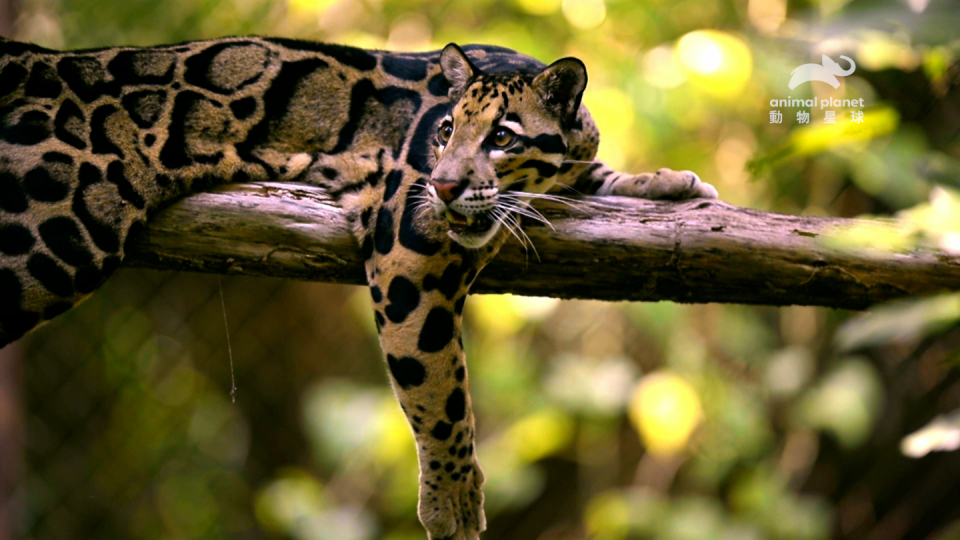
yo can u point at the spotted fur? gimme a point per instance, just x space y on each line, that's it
92 143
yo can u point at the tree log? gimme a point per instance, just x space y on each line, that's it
607 248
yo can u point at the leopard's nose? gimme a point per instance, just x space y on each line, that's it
448 190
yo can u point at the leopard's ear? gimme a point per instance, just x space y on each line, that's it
560 87
457 68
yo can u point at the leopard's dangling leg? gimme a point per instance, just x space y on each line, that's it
419 279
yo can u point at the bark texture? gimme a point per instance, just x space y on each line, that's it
607 248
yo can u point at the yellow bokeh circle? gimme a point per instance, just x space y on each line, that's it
716 62
665 409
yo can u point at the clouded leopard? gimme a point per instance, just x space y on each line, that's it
433 156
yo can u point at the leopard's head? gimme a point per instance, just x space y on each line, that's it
506 135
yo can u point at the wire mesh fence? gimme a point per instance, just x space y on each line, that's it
127 429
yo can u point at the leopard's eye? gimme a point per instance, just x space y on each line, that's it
502 137
445 132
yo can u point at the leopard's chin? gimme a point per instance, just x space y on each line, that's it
476 235
470 231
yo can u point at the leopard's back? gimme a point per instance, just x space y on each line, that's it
92 142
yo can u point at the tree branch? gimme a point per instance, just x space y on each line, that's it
612 248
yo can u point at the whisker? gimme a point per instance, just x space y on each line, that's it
521 204
530 213
576 205
521 231
498 217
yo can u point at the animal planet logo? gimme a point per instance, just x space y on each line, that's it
827 72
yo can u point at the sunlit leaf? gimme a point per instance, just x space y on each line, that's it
902 320
293 495
942 434
845 402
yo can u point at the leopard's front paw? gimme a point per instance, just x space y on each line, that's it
451 501
665 184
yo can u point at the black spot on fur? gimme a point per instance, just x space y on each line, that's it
393 184
15 48
361 92
513 117
40 185
366 247
458 305
546 143
64 239
105 237
350 56
87 278
174 152
460 373
69 116
448 283
149 140
544 169
276 101
376 294
437 330
422 140
139 67
54 278
15 239
86 77
11 291
383 235
15 322
116 175
456 407
449 467
408 235
43 82
57 157
462 454
144 107
404 298
244 108
406 68
198 68
12 197
33 127
110 265
441 431
438 85
407 371
435 465
11 77
100 142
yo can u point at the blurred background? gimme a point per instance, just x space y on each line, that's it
595 420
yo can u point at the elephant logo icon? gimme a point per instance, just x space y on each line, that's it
828 72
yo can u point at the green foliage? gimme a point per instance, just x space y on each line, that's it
681 84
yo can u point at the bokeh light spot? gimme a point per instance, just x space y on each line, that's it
718 63
665 410
584 14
